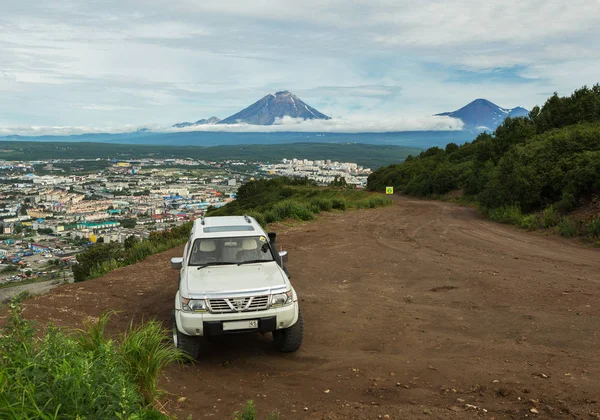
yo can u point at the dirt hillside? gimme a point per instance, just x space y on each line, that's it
418 310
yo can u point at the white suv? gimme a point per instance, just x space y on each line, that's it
233 280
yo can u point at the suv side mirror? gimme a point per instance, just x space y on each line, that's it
284 256
176 263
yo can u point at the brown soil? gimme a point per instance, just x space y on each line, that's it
418 310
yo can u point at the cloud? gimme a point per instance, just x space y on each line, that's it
65 63
354 124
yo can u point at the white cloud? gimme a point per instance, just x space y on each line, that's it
65 63
354 124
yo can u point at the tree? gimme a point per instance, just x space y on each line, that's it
128 223
94 256
339 182
130 242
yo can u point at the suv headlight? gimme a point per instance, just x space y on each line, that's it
193 305
282 299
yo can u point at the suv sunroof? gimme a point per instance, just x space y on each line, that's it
234 228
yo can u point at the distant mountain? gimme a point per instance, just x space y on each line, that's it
211 120
482 114
282 104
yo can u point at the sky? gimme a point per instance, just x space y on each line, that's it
70 66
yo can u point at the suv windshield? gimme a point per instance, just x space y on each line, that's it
230 251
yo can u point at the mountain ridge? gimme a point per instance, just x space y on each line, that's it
203 121
482 114
272 107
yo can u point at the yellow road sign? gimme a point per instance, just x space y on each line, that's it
389 190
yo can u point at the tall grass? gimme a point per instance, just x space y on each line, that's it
147 353
282 198
87 375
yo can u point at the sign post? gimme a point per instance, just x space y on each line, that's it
389 190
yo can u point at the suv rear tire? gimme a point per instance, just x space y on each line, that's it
187 344
288 340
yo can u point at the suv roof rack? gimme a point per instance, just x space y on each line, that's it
247 218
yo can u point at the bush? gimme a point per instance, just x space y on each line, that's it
321 204
529 222
103 258
259 217
278 199
506 214
147 352
550 156
549 217
339 204
292 210
81 376
594 228
567 227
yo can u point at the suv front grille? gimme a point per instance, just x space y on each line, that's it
247 304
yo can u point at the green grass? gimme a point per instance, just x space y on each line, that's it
54 375
506 214
249 413
104 258
283 198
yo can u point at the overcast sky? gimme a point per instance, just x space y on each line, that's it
116 63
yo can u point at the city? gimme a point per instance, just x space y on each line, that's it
51 210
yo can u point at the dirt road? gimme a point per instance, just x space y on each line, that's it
419 310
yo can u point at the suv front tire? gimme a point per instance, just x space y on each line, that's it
187 344
288 340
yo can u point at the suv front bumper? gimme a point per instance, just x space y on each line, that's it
196 324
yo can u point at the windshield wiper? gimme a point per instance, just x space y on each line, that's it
214 263
254 261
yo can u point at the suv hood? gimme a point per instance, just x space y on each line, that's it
234 280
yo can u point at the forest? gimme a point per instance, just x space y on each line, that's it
533 171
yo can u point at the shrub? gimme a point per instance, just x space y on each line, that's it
379 201
529 222
103 268
103 258
249 413
147 351
259 217
549 217
94 256
322 204
567 227
291 209
506 214
339 204
593 228
73 377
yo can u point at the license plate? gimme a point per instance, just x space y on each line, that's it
240 325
